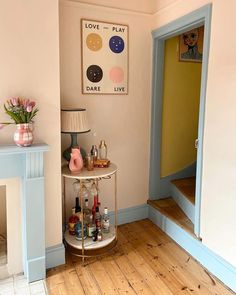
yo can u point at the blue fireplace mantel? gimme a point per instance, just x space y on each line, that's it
27 164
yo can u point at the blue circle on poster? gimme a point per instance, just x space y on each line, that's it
116 44
94 73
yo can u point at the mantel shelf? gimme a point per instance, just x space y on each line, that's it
13 149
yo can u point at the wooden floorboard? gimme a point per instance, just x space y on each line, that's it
145 261
170 209
187 187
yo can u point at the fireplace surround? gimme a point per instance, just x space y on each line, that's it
27 164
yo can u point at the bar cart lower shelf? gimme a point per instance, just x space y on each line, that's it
91 248
87 247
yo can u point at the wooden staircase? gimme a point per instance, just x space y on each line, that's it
180 206
183 192
175 216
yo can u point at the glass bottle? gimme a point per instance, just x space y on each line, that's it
95 205
99 235
77 208
76 187
98 218
106 221
78 231
94 193
87 211
102 150
90 162
91 227
94 152
72 222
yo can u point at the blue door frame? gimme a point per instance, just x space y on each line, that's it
197 18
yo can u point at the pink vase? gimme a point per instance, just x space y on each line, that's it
76 160
23 135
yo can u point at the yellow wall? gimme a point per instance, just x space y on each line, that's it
180 110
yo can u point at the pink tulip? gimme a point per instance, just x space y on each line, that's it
14 101
32 103
29 108
25 103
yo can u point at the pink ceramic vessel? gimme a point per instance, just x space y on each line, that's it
76 160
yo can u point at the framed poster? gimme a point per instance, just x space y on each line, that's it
104 57
191 45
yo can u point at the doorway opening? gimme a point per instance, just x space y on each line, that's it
180 113
178 104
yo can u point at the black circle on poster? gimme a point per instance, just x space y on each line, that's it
94 73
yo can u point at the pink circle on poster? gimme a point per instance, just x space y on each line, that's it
116 75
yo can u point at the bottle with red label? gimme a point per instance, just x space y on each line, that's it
72 222
94 193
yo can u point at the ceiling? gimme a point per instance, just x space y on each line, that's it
144 6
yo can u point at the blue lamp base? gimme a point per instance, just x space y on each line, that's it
74 143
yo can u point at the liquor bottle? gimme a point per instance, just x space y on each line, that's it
106 221
78 231
72 222
95 205
102 150
87 211
99 235
94 193
77 208
98 218
91 227
94 152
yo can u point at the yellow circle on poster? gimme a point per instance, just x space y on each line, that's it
94 42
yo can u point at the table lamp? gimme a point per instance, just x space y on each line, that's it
74 122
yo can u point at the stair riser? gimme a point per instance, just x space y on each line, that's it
183 202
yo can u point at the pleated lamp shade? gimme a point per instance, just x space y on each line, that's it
74 121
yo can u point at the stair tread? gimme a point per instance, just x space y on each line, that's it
170 209
187 187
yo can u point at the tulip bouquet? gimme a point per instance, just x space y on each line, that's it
20 111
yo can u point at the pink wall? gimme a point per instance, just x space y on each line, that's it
29 59
122 120
29 67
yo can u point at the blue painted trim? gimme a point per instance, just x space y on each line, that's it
33 213
201 16
35 268
55 256
27 163
201 121
12 166
164 183
13 149
130 214
222 269
156 119
183 202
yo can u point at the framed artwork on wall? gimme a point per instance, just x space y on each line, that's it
191 45
104 57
